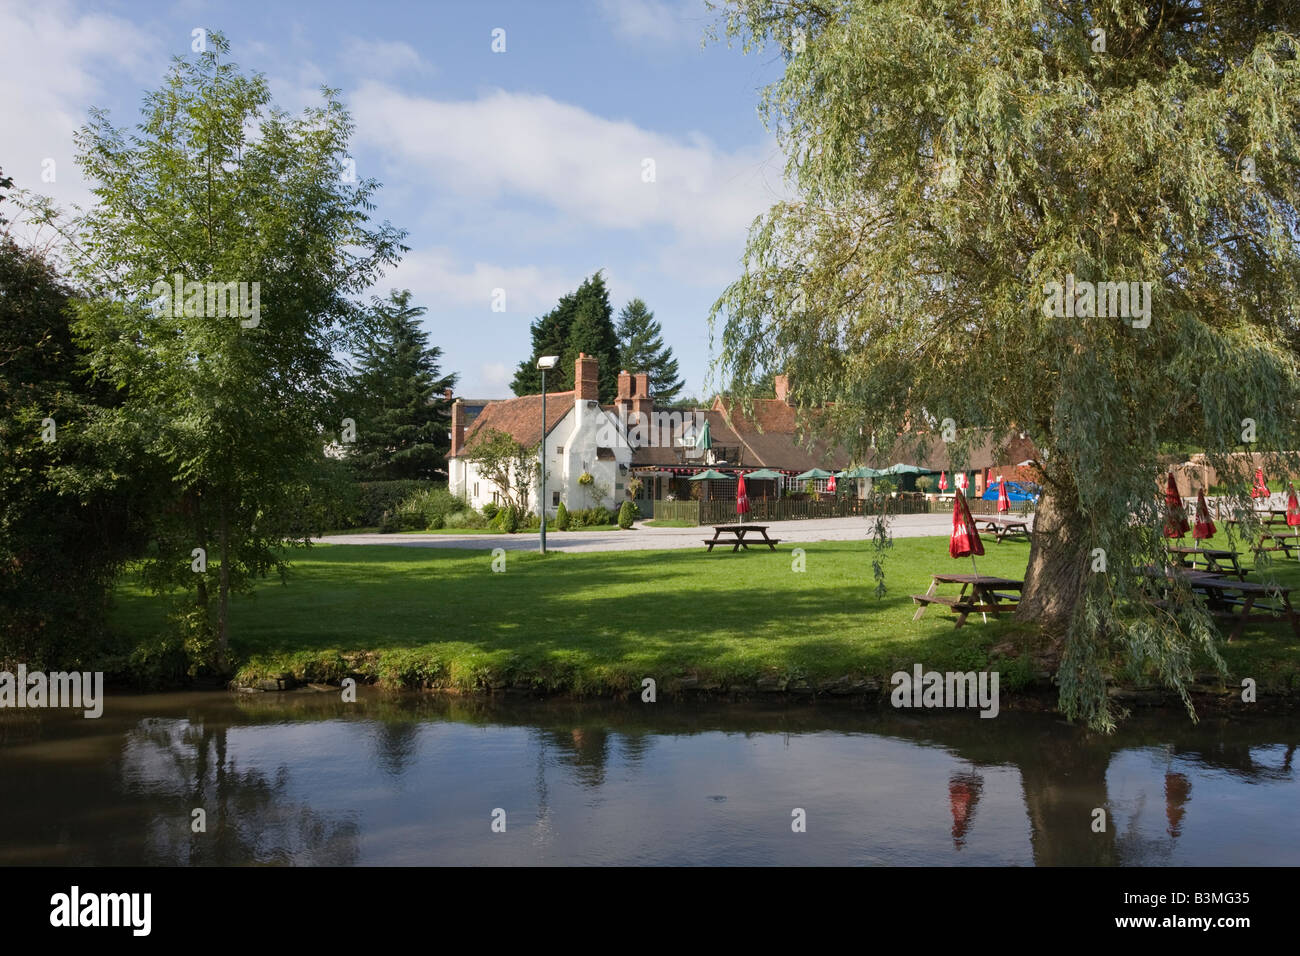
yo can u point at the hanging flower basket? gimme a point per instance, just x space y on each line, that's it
586 478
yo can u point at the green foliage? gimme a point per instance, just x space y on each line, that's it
509 519
233 407
507 464
953 159
73 509
626 515
469 519
373 498
562 517
925 484
397 397
591 517
641 349
490 510
582 321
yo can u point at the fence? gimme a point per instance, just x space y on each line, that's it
723 510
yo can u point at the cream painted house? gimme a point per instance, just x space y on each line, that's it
582 437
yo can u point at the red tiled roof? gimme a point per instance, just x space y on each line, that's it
521 418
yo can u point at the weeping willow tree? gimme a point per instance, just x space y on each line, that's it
1071 220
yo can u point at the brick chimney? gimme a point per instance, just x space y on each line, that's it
457 427
782 384
585 385
446 393
642 403
624 388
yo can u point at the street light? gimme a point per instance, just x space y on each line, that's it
543 363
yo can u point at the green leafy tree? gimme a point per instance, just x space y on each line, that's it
550 335
954 159
582 321
218 187
510 466
642 349
398 396
73 489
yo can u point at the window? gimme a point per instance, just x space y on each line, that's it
559 449
555 499
476 489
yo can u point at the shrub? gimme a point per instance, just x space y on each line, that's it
431 501
436 522
925 484
626 515
468 518
376 497
391 522
510 519
562 517
490 510
588 517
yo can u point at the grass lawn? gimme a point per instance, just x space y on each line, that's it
600 622
669 523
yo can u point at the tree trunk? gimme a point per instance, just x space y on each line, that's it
1058 562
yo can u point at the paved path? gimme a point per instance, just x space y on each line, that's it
654 539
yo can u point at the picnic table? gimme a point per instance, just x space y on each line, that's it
1238 601
988 595
737 539
1004 525
1216 560
1270 540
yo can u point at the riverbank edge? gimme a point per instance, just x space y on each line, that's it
1037 694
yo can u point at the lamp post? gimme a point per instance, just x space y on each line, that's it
543 363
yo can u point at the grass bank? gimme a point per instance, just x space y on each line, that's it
597 623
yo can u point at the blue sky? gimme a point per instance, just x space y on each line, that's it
519 170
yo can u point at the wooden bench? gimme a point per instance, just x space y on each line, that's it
989 595
738 532
1276 541
1216 560
1002 527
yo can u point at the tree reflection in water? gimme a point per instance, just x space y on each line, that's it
250 818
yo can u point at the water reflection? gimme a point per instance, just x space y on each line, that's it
305 779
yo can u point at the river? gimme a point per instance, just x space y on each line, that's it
411 779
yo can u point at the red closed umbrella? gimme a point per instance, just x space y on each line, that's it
965 536
830 483
1004 499
943 481
1261 486
742 498
1175 515
1204 525
1292 509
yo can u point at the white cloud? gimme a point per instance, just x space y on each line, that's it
440 282
506 147
383 58
661 21
54 64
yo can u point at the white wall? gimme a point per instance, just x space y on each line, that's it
577 433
